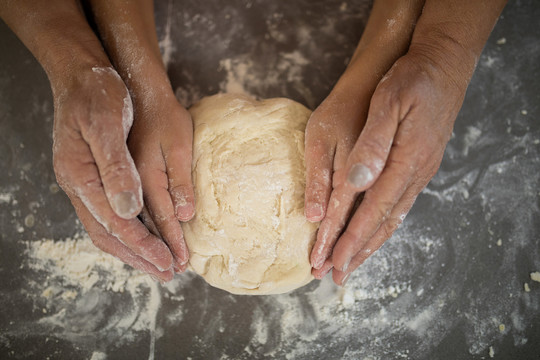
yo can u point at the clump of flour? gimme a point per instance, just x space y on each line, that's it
79 263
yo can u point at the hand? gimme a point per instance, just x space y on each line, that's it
162 134
161 144
410 120
93 115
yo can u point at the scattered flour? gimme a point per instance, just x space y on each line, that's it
79 263
81 283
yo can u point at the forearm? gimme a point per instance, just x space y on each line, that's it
127 30
451 34
57 34
386 37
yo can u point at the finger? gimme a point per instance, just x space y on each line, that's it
319 158
77 167
178 156
148 222
384 232
376 207
372 148
325 269
339 208
161 210
113 246
105 133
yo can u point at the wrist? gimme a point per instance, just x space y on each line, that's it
451 34
149 87
385 39
57 33
441 51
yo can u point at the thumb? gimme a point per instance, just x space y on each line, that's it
370 153
106 138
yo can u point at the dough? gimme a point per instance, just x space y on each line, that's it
249 234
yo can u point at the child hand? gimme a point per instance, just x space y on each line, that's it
161 144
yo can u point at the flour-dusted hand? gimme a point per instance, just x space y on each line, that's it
400 148
335 126
401 144
93 115
161 143
162 134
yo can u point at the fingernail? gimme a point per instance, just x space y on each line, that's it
346 265
185 212
359 175
125 204
314 212
345 279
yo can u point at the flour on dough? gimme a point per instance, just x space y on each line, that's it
249 234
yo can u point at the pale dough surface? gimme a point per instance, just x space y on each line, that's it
249 234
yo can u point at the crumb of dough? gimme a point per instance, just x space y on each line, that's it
535 276
526 287
502 327
491 352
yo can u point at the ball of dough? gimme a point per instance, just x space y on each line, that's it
249 234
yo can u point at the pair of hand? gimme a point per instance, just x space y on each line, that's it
107 182
380 138
386 147
389 152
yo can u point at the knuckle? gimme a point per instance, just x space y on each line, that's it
115 169
162 220
92 184
180 190
386 99
374 148
317 151
390 227
350 236
403 168
320 180
380 208
60 171
102 126
180 152
427 164
384 211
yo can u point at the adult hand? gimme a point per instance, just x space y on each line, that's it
93 116
400 148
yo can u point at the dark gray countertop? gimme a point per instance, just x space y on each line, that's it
450 284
